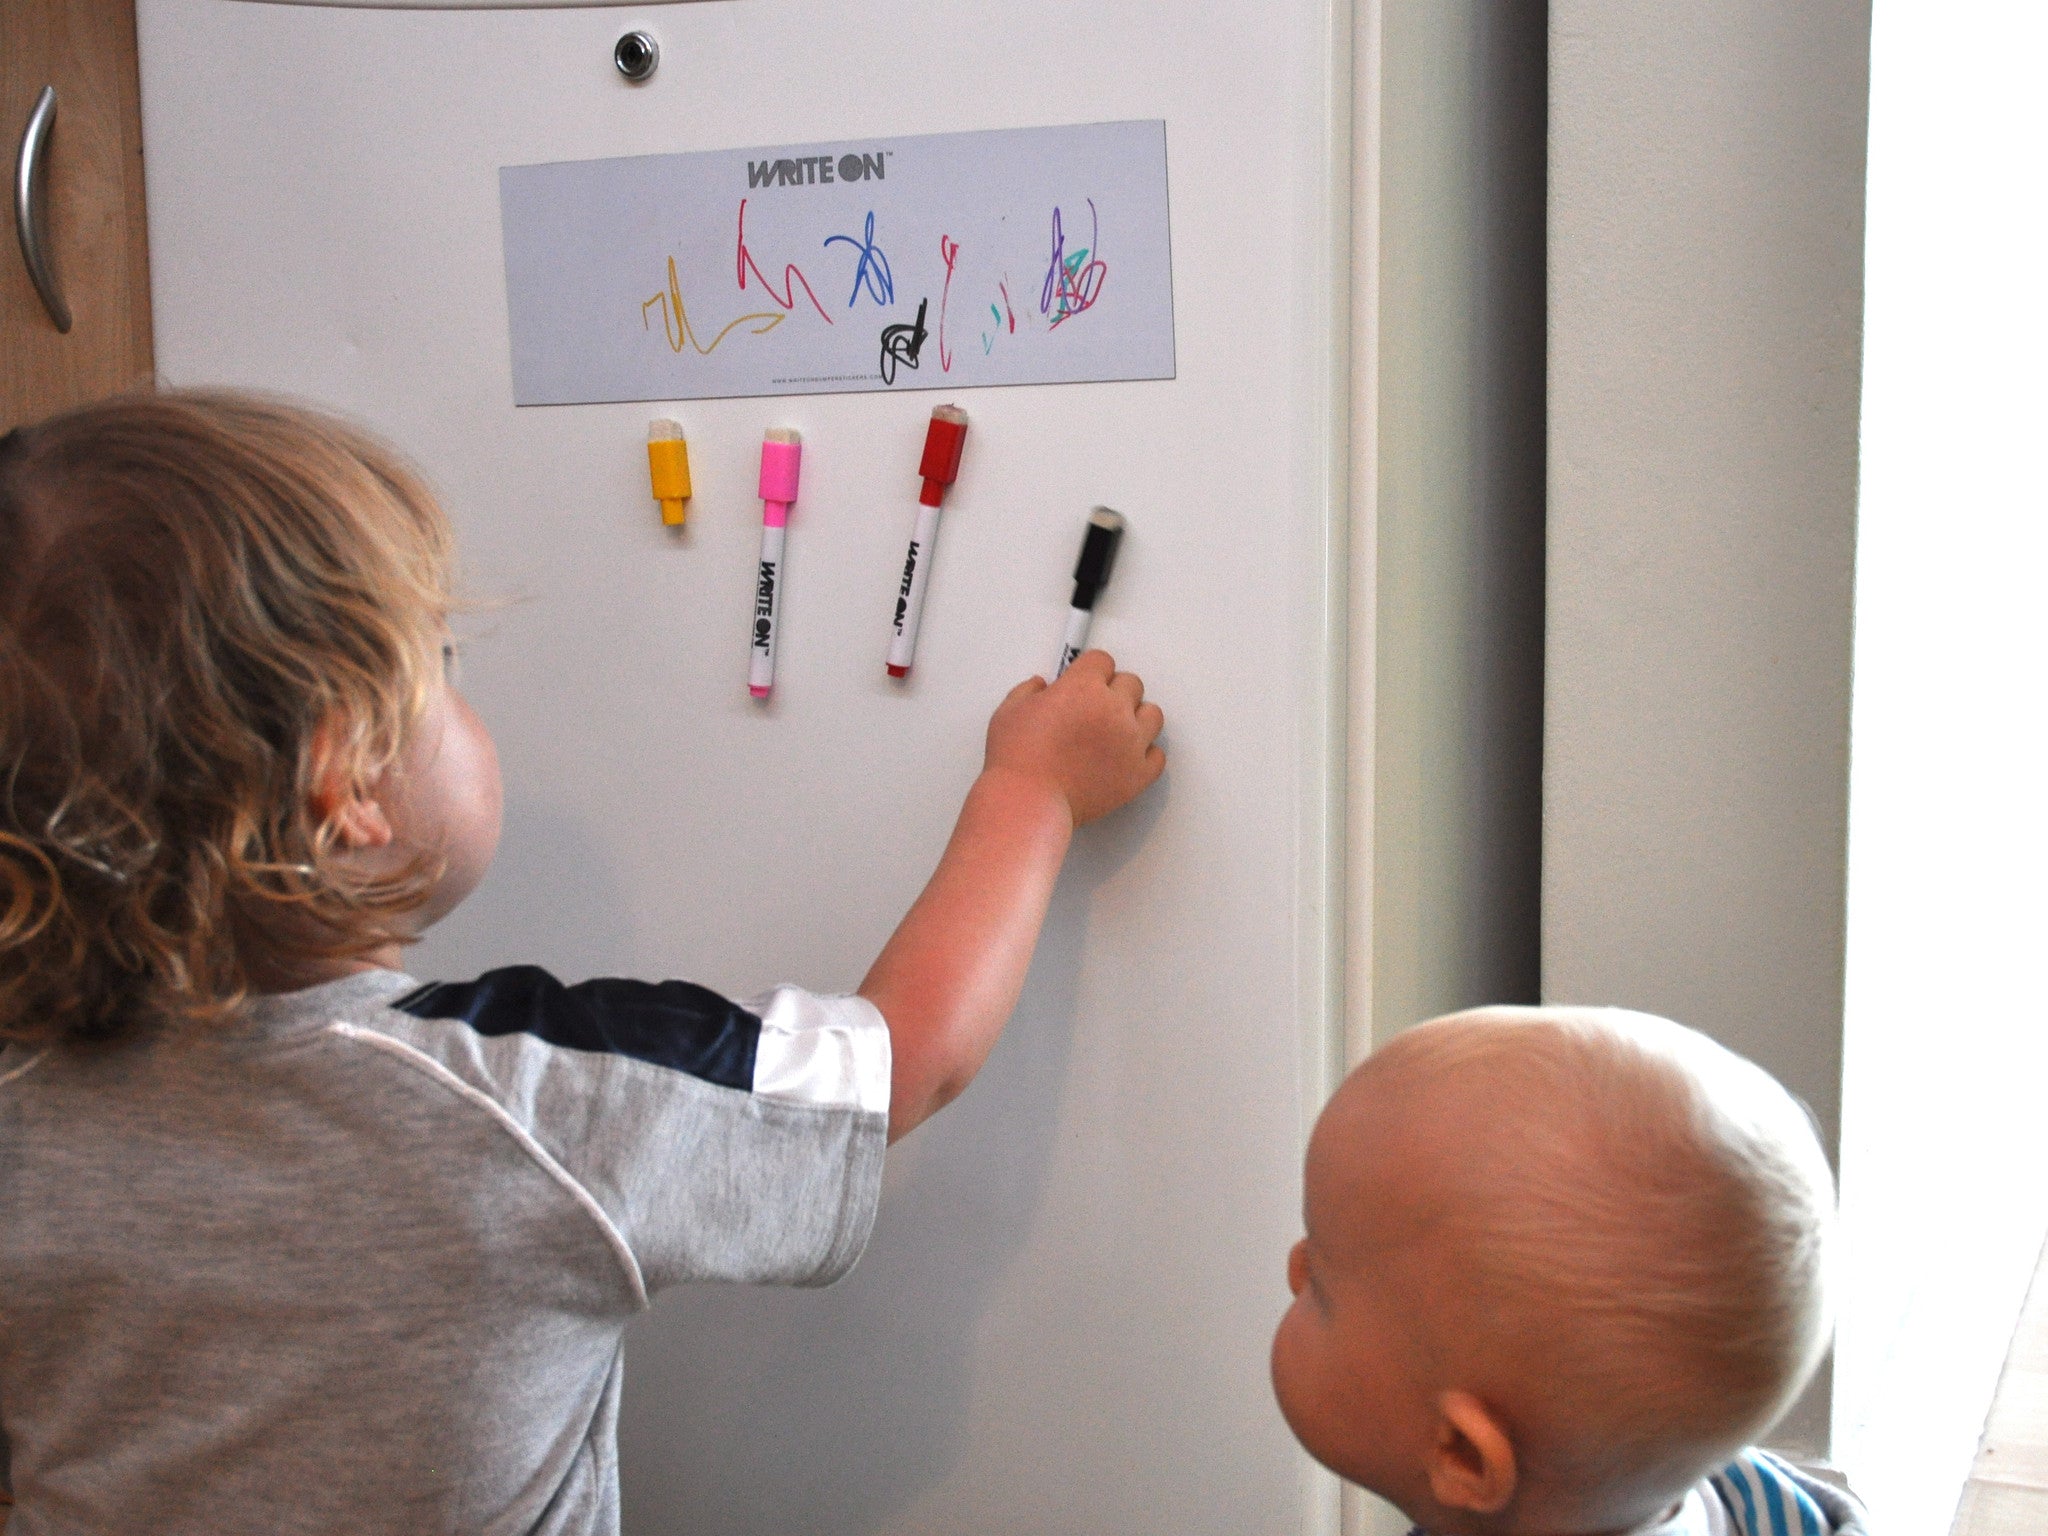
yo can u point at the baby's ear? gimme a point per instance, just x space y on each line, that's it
335 799
1471 1460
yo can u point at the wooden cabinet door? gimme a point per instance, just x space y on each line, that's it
91 190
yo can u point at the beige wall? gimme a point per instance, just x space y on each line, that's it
1460 505
1706 257
1448 433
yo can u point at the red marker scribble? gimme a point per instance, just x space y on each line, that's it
949 252
1001 313
791 276
1072 283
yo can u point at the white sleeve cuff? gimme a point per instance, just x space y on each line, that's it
821 1050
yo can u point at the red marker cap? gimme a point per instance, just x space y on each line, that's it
943 441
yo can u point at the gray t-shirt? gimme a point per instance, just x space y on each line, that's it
361 1262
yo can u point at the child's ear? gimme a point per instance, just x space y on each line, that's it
336 799
1471 1460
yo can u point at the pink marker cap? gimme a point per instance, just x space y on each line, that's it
782 455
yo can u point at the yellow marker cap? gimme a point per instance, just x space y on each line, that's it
668 467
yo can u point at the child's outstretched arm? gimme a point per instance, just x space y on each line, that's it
1059 756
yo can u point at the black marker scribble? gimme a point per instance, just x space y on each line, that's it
902 343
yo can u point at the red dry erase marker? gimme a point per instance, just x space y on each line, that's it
940 466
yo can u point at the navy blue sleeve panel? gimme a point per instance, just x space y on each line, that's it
673 1024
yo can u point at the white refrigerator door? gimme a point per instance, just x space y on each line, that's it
1062 1322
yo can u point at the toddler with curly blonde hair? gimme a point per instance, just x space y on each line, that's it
288 1240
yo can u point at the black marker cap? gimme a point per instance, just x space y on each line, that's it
1098 554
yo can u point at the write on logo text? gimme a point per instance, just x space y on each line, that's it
810 170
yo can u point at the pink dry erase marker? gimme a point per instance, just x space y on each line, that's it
940 467
782 454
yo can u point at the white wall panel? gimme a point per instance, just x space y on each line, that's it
1062 1323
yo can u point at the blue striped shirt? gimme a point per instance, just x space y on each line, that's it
1757 1494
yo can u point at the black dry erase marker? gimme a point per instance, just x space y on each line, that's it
1091 575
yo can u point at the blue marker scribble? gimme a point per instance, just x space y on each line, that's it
872 272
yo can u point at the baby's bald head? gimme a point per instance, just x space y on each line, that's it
1605 1225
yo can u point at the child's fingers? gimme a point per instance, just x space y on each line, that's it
1151 720
1025 689
1092 666
1155 763
1129 687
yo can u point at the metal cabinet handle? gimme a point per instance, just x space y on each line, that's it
28 206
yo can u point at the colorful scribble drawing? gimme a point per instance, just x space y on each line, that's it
951 261
949 253
1072 283
791 275
675 319
902 343
872 272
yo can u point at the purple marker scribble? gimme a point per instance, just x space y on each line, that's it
1072 282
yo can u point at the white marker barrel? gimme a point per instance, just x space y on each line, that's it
767 601
1077 638
917 569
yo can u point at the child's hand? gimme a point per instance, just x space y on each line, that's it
949 976
1090 738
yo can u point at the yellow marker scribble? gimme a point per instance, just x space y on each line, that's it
675 319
